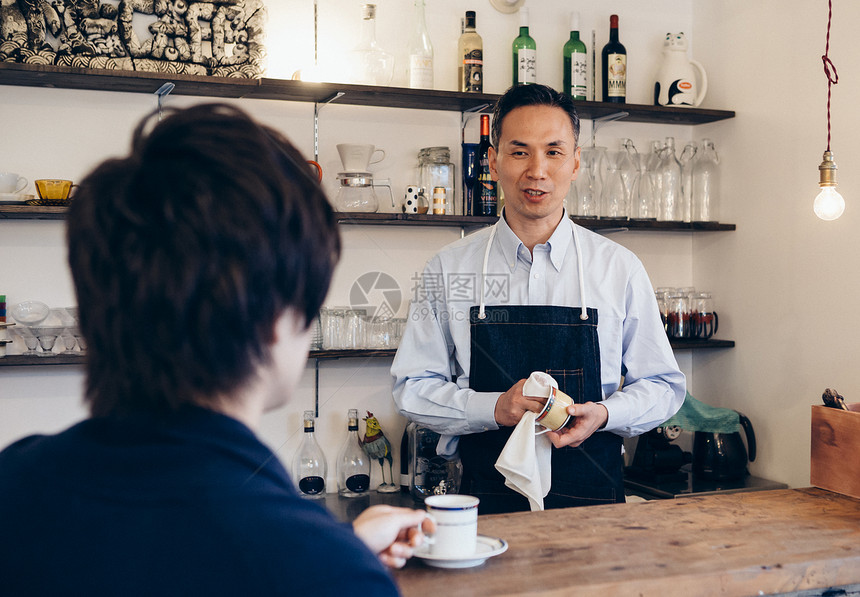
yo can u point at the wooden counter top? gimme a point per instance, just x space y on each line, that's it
758 543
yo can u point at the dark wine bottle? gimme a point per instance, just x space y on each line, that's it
485 195
614 70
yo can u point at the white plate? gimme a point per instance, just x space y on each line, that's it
15 198
487 548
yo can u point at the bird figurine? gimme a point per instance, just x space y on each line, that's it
376 445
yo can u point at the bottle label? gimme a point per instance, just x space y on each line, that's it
420 72
616 75
473 71
487 196
358 483
526 66
312 485
578 77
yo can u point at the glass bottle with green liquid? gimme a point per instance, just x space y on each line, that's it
575 63
525 53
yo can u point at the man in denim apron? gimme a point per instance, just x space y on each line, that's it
540 284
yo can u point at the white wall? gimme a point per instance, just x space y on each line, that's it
63 133
787 278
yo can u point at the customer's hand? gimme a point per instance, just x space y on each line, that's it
512 405
589 417
392 533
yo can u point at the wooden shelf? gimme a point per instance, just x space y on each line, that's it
17 360
413 219
57 77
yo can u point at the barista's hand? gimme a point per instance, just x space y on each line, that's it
512 405
392 533
590 417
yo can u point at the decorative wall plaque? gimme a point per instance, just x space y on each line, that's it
220 38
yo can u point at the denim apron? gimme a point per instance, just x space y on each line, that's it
508 343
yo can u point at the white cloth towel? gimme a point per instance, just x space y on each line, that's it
525 461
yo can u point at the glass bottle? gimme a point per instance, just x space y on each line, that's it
525 53
575 74
353 464
420 52
371 64
670 184
613 196
470 57
485 194
614 67
309 465
687 160
706 184
435 169
585 186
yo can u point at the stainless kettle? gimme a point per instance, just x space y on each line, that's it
723 456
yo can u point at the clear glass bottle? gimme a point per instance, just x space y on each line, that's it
671 206
575 74
353 464
470 58
435 169
420 52
525 53
706 184
687 160
613 195
371 65
309 465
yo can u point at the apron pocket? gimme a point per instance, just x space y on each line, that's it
571 382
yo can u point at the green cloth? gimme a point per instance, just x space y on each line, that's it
698 416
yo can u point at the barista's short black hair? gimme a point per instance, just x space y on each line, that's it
185 253
532 95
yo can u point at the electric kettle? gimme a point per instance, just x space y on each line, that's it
723 456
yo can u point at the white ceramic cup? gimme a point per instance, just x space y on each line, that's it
357 157
456 518
10 182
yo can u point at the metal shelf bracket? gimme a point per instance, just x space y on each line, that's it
317 107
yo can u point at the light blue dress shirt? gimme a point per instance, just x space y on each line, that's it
431 368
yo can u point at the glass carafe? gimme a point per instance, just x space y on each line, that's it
705 320
706 184
613 196
586 186
628 166
678 315
643 198
356 193
371 65
671 205
687 160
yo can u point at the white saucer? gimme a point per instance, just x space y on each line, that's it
487 548
15 198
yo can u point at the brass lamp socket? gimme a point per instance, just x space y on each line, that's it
827 171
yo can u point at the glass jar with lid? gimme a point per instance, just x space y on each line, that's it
435 169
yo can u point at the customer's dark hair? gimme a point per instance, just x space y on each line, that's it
185 253
532 95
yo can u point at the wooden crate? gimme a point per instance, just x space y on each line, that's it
835 453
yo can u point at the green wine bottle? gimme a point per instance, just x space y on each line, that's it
575 68
525 53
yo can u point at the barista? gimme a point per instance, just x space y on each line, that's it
525 295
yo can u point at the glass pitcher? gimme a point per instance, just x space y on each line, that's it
678 315
705 319
587 184
706 184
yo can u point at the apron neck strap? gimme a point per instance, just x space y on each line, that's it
481 309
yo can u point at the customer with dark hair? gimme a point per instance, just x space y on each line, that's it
199 261
539 282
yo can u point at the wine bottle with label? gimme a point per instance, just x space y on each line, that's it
470 53
485 194
575 59
614 70
525 53
353 464
420 52
309 466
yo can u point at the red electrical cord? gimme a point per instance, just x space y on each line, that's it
829 68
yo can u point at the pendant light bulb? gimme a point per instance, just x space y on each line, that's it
829 204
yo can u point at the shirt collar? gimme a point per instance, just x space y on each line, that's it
558 242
